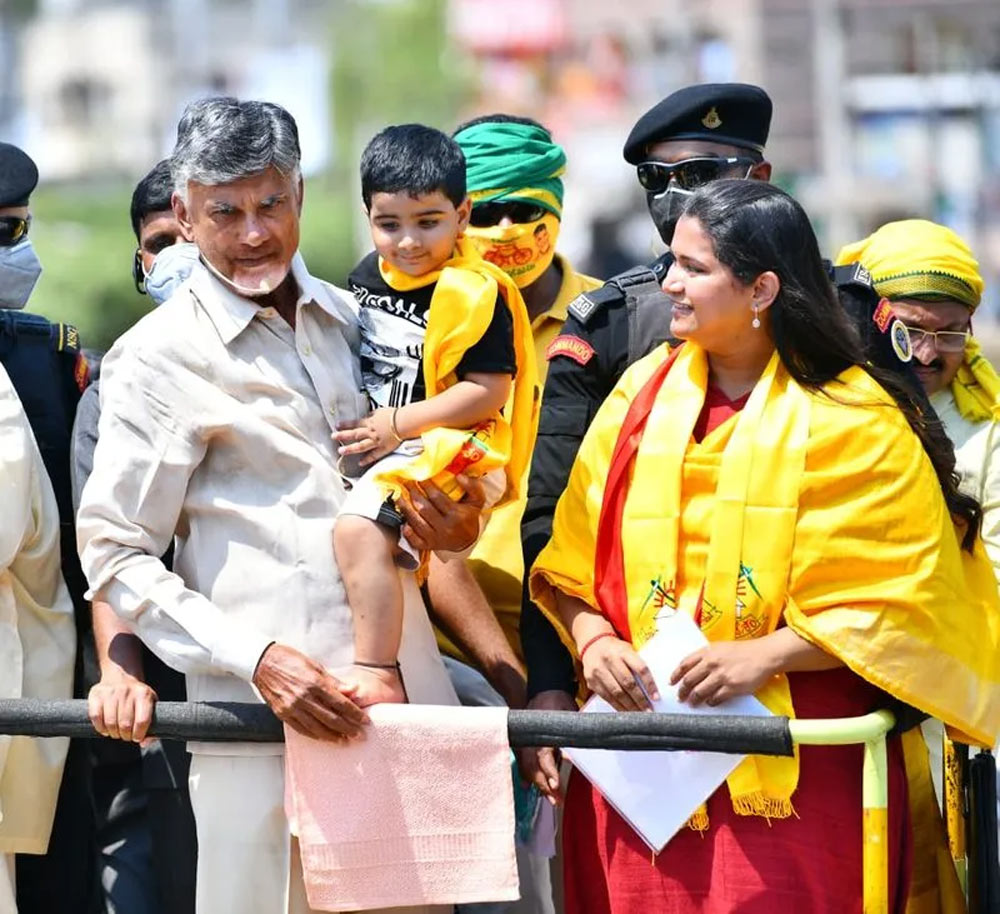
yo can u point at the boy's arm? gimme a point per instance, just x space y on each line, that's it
473 399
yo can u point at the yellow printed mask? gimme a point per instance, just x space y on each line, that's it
523 250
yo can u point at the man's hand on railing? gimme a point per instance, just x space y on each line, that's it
306 697
121 706
540 766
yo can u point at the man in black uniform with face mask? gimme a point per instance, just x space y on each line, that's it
696 135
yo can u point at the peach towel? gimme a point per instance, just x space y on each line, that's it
420 812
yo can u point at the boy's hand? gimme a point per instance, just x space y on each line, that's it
372 436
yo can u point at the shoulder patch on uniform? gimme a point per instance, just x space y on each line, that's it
883 315
582 307
580 351
81 371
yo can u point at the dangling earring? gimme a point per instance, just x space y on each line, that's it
755 323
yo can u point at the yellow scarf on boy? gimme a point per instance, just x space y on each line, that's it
465 294
862 568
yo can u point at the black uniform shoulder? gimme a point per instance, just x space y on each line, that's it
614 293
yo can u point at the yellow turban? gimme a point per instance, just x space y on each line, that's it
918 259
915 258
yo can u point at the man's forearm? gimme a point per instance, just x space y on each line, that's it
461 609
118 648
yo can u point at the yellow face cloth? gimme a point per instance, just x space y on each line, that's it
828 516
523 251
920 259
461 309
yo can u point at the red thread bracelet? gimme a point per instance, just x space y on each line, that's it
586 647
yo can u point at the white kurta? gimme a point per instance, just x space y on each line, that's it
215 427
37 634
977 461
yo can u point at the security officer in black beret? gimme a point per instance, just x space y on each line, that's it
693 136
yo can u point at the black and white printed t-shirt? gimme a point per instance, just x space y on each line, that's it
393 325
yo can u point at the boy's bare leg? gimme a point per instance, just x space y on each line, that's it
365 551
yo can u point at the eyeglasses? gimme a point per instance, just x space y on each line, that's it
486 214
655 177
13 229
942 340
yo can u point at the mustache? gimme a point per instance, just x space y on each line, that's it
936 365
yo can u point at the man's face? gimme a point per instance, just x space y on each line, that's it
665 203
248 229
936 369
157 230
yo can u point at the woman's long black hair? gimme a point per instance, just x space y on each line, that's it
755 227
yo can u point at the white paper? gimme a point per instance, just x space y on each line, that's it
657 792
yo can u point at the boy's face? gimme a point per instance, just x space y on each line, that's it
416 234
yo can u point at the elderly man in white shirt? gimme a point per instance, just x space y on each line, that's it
37 638
216 416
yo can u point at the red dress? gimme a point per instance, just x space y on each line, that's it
809 864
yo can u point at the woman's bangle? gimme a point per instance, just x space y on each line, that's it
586 647
392 426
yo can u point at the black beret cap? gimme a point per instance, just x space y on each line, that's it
18 176
734 114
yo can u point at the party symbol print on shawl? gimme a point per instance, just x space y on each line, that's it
749 619
663 598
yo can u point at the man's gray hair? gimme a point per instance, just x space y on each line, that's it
220 140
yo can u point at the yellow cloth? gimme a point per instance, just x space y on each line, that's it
497 562
465 294
844 534
920 259
915 258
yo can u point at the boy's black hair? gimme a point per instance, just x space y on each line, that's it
151 194
414 159
499 118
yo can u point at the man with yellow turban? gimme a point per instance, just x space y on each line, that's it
928 276
931 280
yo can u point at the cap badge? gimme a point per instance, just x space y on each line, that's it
712 119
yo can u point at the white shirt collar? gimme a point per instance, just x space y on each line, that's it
231 313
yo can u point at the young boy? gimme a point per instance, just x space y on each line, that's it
445 337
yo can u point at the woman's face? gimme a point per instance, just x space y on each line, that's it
709 305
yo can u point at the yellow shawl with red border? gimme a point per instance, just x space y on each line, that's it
829 503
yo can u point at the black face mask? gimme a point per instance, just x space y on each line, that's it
666 209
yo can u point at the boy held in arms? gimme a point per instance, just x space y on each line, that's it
446 363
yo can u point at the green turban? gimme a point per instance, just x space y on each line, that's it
507 161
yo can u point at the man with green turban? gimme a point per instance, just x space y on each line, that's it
513 175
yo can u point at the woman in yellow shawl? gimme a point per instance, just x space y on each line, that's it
805 513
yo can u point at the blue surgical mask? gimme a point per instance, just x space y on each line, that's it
19 271
170 269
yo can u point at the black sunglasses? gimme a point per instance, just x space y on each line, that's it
13 229
487 214
655 177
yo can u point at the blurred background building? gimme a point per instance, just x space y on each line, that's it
883 109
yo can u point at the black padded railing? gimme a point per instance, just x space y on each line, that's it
219 721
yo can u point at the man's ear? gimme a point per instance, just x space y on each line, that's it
765 289
300 192
179 207
761 172
464 210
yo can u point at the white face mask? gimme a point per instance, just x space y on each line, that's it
19 271
171 267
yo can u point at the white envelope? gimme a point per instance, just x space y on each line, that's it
657 792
